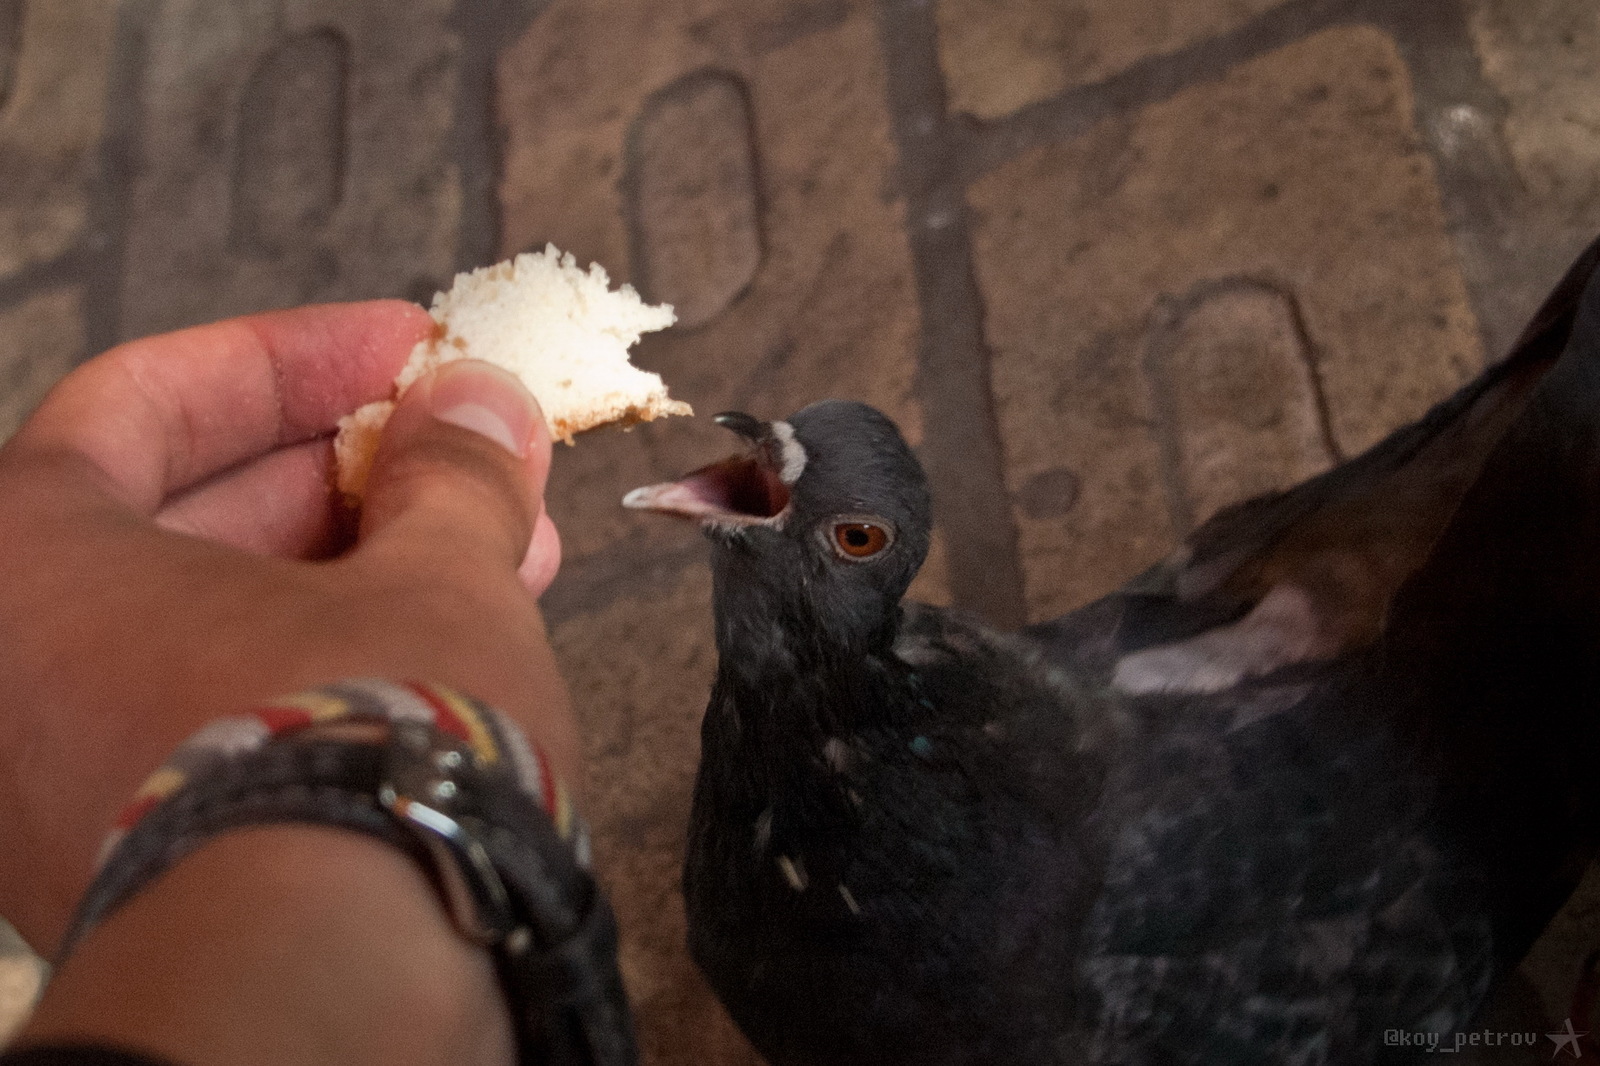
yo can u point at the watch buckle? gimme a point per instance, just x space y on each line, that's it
423 775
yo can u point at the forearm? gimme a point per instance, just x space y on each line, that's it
283 944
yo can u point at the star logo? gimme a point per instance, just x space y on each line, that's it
1567 1037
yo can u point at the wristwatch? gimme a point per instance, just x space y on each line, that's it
439 776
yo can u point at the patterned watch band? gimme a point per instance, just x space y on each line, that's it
440 776
494 741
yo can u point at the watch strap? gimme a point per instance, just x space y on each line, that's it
449 789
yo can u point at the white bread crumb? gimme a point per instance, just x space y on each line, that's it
560 329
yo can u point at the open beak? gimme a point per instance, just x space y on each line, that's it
747 489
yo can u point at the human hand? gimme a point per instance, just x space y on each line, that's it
169 553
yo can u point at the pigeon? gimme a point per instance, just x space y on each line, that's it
1299 793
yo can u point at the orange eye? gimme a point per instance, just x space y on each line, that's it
860 540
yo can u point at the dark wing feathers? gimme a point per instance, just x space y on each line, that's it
1262 900
1277 872
1255 898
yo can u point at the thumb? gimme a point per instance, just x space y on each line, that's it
460 472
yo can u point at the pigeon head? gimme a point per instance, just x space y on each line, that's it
818 524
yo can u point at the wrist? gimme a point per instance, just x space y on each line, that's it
433 775
279 944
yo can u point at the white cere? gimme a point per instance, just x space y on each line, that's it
791 451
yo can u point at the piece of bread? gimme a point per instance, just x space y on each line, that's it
562 330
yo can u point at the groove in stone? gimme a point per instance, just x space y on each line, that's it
1460 116
290 159
70 266
1050 493
485 26
961 445
12 13
110 209
797 20
1151 80
1239 403
692 196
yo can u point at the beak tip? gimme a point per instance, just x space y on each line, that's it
747 426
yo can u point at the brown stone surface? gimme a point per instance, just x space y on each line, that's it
1518 154
41 339
1000 55
288 171
50 125
216 146
693 208
932 583
1544 58
831 311
1298 172
10 45
1238 404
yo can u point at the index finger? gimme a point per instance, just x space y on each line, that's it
162 414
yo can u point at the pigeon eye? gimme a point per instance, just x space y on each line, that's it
859 540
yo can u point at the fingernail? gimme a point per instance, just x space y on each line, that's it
487 400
